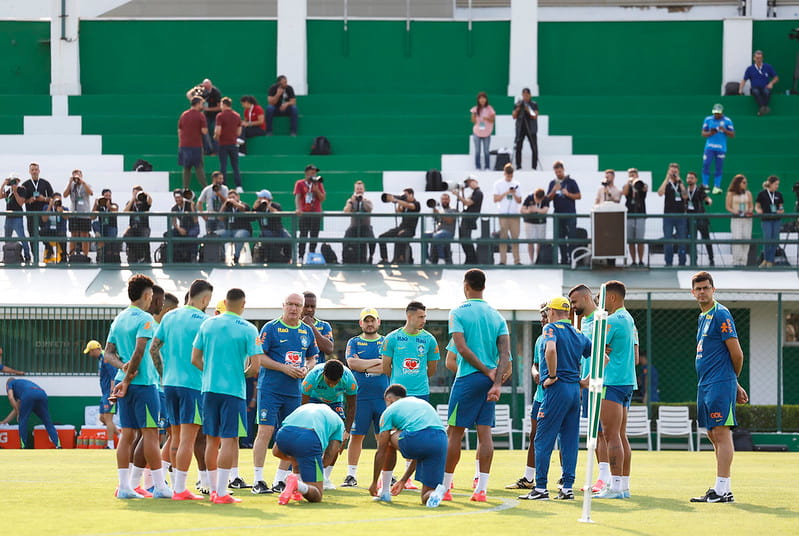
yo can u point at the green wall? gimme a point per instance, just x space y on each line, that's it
771 36
629 58
24 58
135 57
382 57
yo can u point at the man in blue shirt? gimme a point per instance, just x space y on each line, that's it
291 351
719 361
562 192
559 414
322 331
107 371
762 78
25 398
363 358
716 128
481 338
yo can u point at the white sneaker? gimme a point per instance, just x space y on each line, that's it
240 141
239 190
328 485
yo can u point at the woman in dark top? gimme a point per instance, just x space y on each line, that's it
770 204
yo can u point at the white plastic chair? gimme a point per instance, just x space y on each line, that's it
503 424
673 421
639 425
527 427
700 431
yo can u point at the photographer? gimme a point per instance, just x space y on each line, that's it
674 203
236 226
535 225
309 193
213 197
14 194
563 192
771 205
139 225
445 229
472 205
608 191
79 193
525 112
184 225
507 198
271 226
106 225
55 225
38 192
635 200
360 227
404 204
695 204
212 98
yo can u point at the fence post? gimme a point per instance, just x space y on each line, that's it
649 356
514 406
779 362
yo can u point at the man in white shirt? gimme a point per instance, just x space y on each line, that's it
508 200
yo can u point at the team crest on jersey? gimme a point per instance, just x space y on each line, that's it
263 414
410 364
420 348
294 358
304 340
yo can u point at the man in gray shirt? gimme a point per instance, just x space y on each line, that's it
213 197
80 194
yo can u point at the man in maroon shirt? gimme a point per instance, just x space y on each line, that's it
192 126
227 129
308 196
254 121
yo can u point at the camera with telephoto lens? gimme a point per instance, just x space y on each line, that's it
432 203
358 198
13 181
75 179
56 203
141 197
215 188
391 198
639 185
188 195
102 202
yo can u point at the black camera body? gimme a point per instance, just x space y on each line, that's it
215 188
75 179
188 194
604 183
141 197
317 178
57 203
639 185
13 181
432 203
102 202
384 197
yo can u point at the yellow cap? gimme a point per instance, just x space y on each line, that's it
220 306
560 304
369 311
92 345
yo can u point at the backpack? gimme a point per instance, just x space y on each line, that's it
321 145
732 88
12 253
142 165
433 182
329 254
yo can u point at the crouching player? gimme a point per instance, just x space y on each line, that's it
413 427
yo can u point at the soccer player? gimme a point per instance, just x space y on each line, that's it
363 358
322 331
330 383
182 381
225 349
719 360
410 353
481 337
310 436
107 371
559 413
411 426
291 351
137 389
25 398
619 383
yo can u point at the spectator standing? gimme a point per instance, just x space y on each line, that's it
282 102
739 204
38 192
770 204
647 380
254 123
14 195
525 112
674 226
535 225
404 204
445 230
360 226
80 194
213 197
762 78
695 204
105 225
483 118
272 227
237 226
634 192
212 98
25 398
507 198
309 194
716 128
192 127
54 225
563 191
226 132
139 225
608 191
471 206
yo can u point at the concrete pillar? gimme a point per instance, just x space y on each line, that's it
758 9
523 54
737 49
64 49
292 43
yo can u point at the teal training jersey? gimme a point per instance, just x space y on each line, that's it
409 357
226 341
587 329
621 338
177 331
315 386
410 415
538 356
129 325
325 422
481 325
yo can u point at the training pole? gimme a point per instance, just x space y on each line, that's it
598 337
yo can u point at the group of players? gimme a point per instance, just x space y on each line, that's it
312 410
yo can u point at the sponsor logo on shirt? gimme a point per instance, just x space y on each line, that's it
716 416
411 364
294 359
540 415
282 330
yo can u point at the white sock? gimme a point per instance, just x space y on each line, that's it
625 483
212 481
327 471
352 470
482 482
477 468
448 480
158 478
234 473
165 465
529 473
604 472
135 476
222 476
124 479
147 477
615 483
258 473
722 485
280 475
179 480
302 487
110 443
203 479
386 477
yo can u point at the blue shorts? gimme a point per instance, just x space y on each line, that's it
303 445
467 401
139 408
163 418
105 405
429 448
224 415
366 412
338 407
272 408
534 410
621 394
190 156
715 404
183 405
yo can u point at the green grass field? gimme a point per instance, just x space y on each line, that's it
70 492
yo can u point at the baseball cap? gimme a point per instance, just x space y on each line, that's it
92 345
560 304
311 166
369 311
220 306
718 109
265 193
